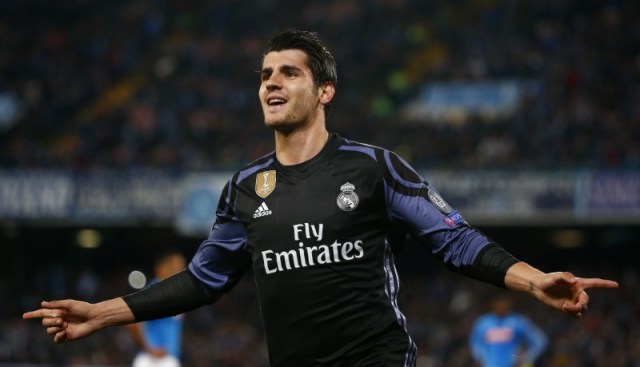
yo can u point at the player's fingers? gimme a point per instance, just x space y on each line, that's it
597 283
60 304
31 315
581 305
54 330
578 306
60 336
573 311
561 277
43 312
571 308
51 321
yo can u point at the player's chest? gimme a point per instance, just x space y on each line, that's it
279 213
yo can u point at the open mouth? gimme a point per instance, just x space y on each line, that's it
275 101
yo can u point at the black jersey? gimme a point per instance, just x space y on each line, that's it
320 238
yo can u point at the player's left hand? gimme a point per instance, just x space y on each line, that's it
566 292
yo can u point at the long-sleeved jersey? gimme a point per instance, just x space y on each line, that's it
504 341
320 237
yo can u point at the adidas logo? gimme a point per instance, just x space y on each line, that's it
263 210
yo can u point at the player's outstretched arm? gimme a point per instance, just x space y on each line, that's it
560 290
67 320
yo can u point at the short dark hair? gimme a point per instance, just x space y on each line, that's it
319 58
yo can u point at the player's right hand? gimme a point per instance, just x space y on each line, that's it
65 320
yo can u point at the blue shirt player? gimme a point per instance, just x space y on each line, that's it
503 338
159 340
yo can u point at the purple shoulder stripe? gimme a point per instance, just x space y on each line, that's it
241 176
396 176
251 170
359 148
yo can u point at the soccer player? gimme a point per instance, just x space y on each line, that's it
159 340
503 338
318 220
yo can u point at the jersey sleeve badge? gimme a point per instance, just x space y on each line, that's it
439 202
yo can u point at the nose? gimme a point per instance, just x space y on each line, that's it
274 82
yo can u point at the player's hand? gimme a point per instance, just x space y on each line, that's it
566 292
66 320
156 352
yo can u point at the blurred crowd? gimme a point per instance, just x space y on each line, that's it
441 307
172 84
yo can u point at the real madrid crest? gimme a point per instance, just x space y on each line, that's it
265 183
348 199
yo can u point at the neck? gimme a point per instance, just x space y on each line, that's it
300 145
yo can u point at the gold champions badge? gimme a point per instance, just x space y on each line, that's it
265 183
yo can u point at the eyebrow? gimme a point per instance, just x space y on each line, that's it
285 67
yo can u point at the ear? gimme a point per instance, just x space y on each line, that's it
326 92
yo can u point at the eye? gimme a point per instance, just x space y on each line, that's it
265 75
290 71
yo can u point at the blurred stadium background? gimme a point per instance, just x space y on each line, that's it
120 120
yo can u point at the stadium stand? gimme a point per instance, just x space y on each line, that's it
171 84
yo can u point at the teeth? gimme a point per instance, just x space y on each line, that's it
276 101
